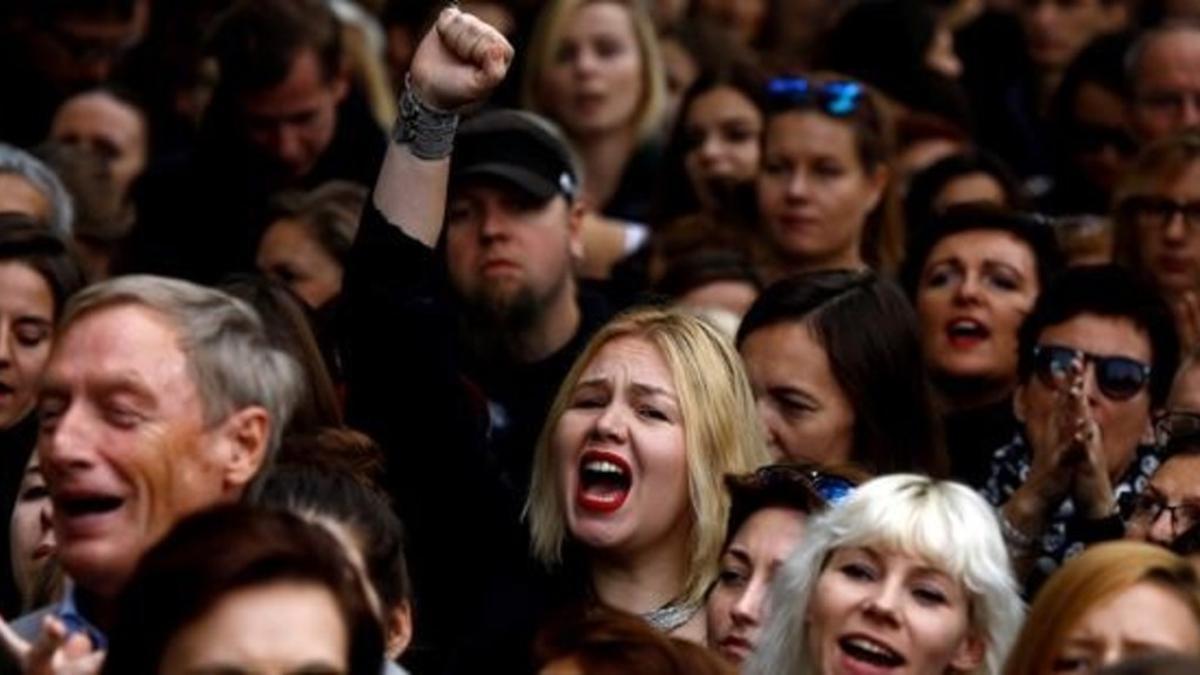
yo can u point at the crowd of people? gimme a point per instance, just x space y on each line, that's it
777 337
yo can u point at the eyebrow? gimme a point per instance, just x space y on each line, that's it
738 553
639 388
651 390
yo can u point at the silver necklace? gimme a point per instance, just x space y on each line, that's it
672 615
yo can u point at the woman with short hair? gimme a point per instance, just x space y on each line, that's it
908 571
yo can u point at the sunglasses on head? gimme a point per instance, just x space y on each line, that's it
832 488
836 98
1118 377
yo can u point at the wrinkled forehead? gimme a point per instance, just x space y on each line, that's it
120 337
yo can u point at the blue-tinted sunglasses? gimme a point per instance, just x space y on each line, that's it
833 489
838 98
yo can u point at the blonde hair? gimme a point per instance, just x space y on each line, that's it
547 35
720 424
943 522
1165 158
1098 574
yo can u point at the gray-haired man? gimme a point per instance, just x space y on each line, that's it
160 398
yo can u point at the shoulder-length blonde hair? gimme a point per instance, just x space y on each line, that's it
1162 160
543 48
721 434
1098 574
943 522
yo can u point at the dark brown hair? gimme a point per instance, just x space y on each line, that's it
218 552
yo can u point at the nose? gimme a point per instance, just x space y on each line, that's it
748 610
882 603
289 146
967 290
1090 390
6 355
1162 530
46 516
1176 229
495 224
586 61
768 420
1190 113
710 149
1043 16
798 186
611 424
66 446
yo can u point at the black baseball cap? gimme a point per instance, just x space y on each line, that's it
518 148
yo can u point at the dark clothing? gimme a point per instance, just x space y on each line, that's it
200 218
1002 88
1066 534
458 486
30 99
635 197
972 437
519 395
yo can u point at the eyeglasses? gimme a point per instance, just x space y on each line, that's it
1157 212
1149 507
1178 426
1118 377
837 98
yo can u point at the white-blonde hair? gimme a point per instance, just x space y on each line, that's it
945 523
721 434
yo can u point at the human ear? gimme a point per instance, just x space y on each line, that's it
246 433
877 180
398 625
969 655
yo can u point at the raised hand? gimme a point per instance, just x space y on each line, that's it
1091 488
459 62
54 653
1059 441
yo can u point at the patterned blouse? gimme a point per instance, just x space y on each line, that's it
1066 535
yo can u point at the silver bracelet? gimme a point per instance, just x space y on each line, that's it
1016 540
427 131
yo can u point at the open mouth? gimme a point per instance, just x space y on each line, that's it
966 333
870 652
604 481
79 507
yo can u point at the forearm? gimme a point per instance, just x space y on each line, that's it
411 190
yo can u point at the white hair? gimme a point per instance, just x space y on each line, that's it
943 522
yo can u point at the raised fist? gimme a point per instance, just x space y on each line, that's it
459 62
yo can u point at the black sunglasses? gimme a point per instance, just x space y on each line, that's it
1118 377
837 98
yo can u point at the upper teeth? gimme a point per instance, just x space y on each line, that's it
964 325
603 467
869 646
